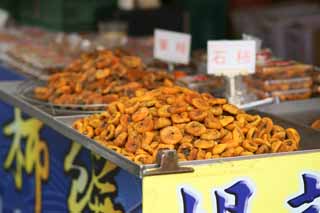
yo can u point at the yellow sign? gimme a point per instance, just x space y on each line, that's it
277 184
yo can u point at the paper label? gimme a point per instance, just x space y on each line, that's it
172 47
231 58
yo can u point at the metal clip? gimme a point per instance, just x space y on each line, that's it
168 162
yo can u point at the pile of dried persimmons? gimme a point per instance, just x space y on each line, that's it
148 112
100 78
198 126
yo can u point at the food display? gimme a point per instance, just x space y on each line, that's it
38 56
279 85
287 80
204 83
278 69
286 95
198 126
100 78
316 81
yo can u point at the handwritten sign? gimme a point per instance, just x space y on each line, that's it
172 47
231 58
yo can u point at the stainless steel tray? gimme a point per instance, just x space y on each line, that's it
302 113
25 91
62 124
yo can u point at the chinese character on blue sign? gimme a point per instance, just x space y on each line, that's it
306 200
233 199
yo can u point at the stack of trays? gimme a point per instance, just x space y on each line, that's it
287 80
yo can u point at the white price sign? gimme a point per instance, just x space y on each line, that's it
231 58
172 47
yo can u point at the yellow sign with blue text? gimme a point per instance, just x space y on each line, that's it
279 184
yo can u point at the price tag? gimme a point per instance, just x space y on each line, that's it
231 58
172 47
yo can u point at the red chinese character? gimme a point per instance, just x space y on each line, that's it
181 47
219 57
243 56
163 44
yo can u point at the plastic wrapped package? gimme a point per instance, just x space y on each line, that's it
316 75
282 70
287 95
204 83
279 85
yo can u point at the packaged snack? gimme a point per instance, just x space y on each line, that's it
316 75
277 69
287 95
281 84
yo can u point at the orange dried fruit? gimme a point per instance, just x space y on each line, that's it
163 111
198 115
200 103
204 144
211 134
170 135
195 128
225 120
230 109
140 114
120 139
161 123
145 125
180 118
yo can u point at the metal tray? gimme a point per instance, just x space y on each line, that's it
302 113
25 91
62 124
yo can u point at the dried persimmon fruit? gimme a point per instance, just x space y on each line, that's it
230 109
133 143
197 115
103 73
171 135
293 134
225 120
204 144
147 137
163 111
180 118
120 139
195 128
145 125
211 134
162 122
140 114
200 104
212 122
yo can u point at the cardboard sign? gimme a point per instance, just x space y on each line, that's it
172 47
231 58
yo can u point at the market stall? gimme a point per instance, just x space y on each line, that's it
108 133
74 172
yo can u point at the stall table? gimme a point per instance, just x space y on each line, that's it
48 166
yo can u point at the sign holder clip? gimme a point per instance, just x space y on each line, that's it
168 162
